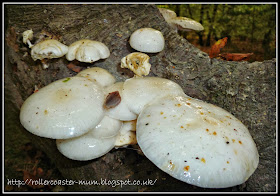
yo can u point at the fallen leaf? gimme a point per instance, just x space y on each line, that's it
217 46
112 100
73 66
236 56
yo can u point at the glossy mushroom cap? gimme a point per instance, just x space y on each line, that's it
196 142
147 40
186 24
99 75
180 23
64 109
138 92
48 49
120 110
167 14
95 143
88 51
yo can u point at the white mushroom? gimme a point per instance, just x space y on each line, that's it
147 40
186 24
48 49
180 23
137 62
196 142
95 143
120 110
63 109
167 14
88 51
99 75
138 92
27 36
127 134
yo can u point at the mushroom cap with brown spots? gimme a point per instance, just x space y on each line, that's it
196 142
66 108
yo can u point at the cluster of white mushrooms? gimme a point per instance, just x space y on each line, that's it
91 113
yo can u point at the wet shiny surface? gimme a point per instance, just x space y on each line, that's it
65 108
196 142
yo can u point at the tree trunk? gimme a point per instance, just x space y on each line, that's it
247 90
211 20
200 33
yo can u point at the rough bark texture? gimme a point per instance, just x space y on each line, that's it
247 90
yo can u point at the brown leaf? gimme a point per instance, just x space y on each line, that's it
217 46
112 100
236 56
73 66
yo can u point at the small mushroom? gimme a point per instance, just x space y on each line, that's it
95 143
147 40
196 142
180 23
167 14
48 49
121 110
87 51
127 134
99 75
137 62
66 108
138 92
186 24
27 36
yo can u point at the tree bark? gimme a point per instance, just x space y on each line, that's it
211 20
247 90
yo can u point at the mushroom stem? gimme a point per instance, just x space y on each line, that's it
30 45
44 64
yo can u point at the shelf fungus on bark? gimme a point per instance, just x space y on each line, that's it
137 62
191 140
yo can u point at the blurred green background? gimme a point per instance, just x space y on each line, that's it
249 27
